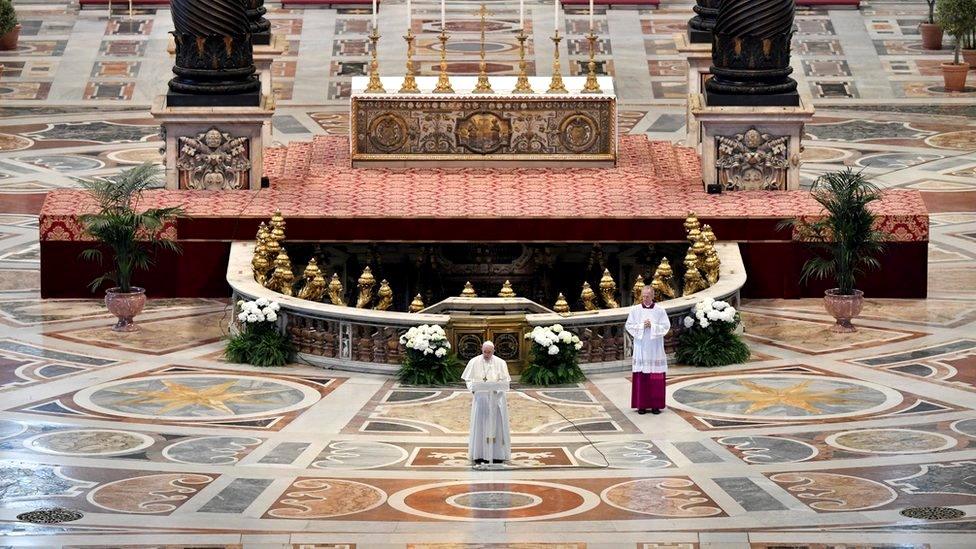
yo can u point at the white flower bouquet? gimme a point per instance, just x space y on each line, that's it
259 340
555 353
428 359
709 337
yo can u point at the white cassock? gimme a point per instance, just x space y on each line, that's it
479 445
650 365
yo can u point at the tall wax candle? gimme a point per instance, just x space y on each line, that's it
521 14
555 15
591 14
374 14
443 16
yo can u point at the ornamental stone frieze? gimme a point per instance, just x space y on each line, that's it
752 160
213 160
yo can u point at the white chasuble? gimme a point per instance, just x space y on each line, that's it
489 438
649 357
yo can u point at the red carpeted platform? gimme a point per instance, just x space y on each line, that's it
644 199
611 3
124 4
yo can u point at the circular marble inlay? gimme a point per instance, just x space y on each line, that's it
632 454
834 492
783 397
136 156
494 501
210 450
65 163
663 497
824 154
190 397
360 454
89 442
497 500
961 141
316 498
10 142
899 160
767 449
965 427
147 494
890 441
10 428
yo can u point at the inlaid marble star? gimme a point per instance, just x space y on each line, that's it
761 397
175 396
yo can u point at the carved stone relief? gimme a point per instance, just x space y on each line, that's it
213 160
752 161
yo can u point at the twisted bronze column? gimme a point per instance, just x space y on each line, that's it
259 26
701 25
751 55
214 56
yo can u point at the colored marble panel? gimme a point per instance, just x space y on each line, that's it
749 495
237 496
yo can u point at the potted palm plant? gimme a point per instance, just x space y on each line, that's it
845 241
930 30
958 18
132 237
9 27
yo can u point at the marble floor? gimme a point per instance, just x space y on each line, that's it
819 441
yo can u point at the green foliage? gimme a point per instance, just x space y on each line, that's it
845 239
260 344
133 237
545 369
429 370
716 345
8 17
958 19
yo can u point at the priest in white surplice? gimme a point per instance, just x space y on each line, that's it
648 324
488 443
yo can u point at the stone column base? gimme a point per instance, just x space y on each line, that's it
208 148
264 56
750 148
699 57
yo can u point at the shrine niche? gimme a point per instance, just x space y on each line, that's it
752 161
213 160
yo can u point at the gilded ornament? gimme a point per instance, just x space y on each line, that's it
608 290
561 306
336 292
691 222
589 298
709 235
282 277
635 291
468 290
314 287
663 282
385 295
693 281
694 235
483 85
417 304
506 290
556 82
712 266
699 247
365 283
260 267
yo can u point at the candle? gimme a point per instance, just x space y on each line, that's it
555 15
521 14
443 16
408 14
591 14
374 14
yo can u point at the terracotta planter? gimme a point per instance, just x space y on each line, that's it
844 308
125 306
9 40
954 75
931 35
969 56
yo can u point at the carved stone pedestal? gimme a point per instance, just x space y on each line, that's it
751 148
699 57
264 56
209 148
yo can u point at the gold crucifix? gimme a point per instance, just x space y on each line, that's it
483 85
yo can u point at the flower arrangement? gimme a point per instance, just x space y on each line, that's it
554 356
709 338
428 359
259 341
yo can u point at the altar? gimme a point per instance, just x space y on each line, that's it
495 129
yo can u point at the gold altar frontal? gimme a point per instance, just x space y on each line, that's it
467 129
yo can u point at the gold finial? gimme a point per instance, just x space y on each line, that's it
663 282
691 222
522 84
385 295
712 266
635 291
592 84
483 86
336 292
693 282
506 290
366 282
375 85
556 83
314 287
694 235
561 306
262 233
699 248
468 290
409 81
260 267
417 304
282 277
589 298
443 80
708 234
608 290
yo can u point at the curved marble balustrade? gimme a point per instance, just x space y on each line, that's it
367 340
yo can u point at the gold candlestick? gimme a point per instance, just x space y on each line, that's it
375 86
591 86
556 84
443 81
409 82
522 84
483 86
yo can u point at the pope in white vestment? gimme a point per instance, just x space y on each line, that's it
648 324
489 440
